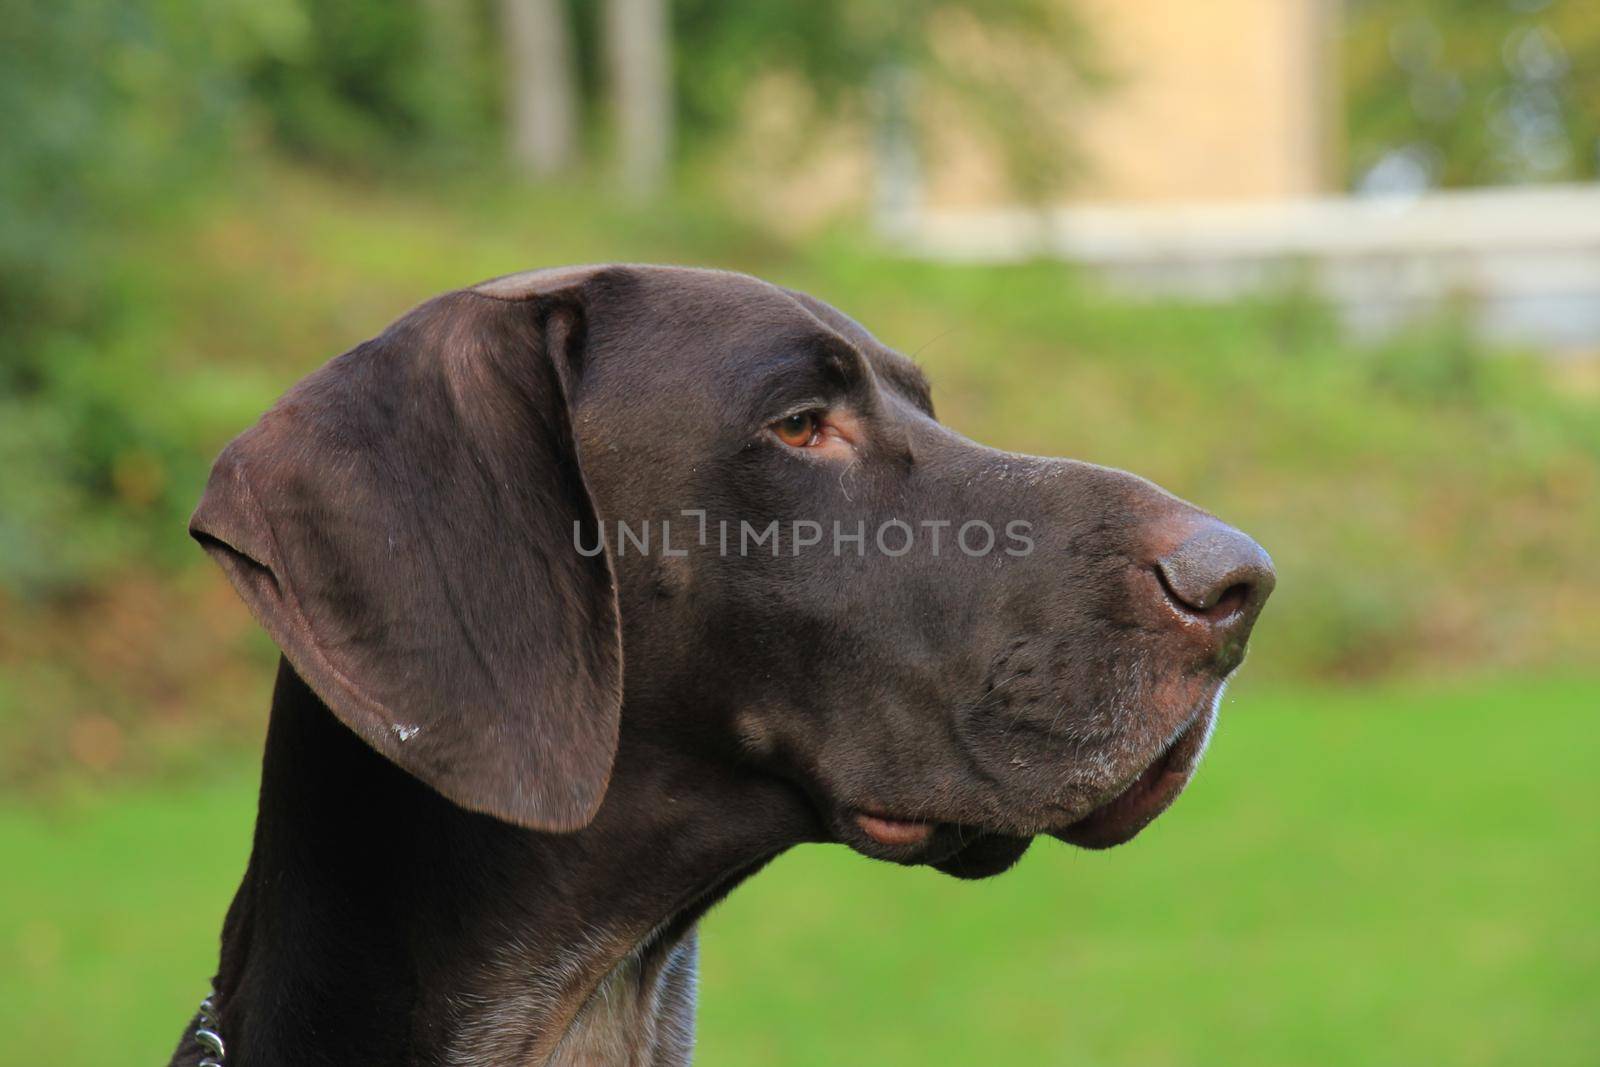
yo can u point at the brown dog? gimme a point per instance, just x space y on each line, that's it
598 588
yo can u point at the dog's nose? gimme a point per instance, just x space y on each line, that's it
1217 579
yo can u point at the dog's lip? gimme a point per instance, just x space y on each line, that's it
892 832
1150 793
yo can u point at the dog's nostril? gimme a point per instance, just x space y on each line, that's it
1213 605
1217 574
1232 599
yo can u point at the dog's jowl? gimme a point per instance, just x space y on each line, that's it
596 589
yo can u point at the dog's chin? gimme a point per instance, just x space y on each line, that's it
1119 819
957 850
984 857
965 850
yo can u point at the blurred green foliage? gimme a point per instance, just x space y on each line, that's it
383 86
1474 92
111 110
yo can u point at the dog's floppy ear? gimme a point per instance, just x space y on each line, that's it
403 524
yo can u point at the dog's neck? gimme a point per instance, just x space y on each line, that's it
378 923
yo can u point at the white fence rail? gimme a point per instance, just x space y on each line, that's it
1526 260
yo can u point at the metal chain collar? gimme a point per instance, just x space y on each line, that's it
206 1033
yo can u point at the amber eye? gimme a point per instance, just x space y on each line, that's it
798 431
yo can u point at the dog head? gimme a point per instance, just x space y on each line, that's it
570 503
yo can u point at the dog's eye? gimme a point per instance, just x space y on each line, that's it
799 431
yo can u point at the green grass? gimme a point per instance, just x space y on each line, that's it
1395 875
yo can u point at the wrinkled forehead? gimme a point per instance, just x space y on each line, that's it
733 335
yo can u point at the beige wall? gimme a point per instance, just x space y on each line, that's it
1210 100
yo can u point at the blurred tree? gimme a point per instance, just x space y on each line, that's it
453 37
375 85
1472 92
639 78
112 111
542 98
866 59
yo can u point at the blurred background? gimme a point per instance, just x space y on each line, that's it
1331 270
